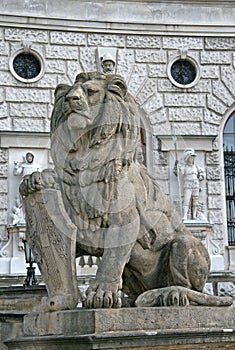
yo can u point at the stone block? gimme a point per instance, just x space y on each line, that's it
215 217
212 158
221 92
157 70
31 110
165 85
143 41
5 124
209 129
214 202
150 56
88 58
220 43
3 170
68 38
188 128
177 43
4 63
148 89
219 57
185 114
73 69
214 187
184 100
203 85
136 78
20 34
3 186
158 117
47 81
3 213
154 103
110 40
216 105
210 71
3 110
212 117
227 74
4 49
213 173
120 320
125 63
28 124
62 52
8 79
56 66
16 94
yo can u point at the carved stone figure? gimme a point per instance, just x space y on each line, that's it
25 167
101 201
192 175
107 63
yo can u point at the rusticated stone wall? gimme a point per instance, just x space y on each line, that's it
143 60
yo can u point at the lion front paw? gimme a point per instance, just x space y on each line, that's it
103 295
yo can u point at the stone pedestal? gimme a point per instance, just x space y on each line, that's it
129 328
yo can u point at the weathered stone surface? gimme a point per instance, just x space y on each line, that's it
62 52
126 319
111 40
143 41
3 170
4 49
185 114
157 70
220 43
28 124
87 58
215 217
212 57
19 34
3 185
210 71
31 110
3 214
4 65
3 156
184 100
212 117
182 43
137 78
227 78
15 94
147 90
212 158
126 62
209 129
221 92
213 173
65 38
3 201
158 117
149 56
188 128
48 81
214 202
3 110
214 187
154 103
56 66
216 105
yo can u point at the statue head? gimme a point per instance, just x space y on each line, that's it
29 157
107 63
189 152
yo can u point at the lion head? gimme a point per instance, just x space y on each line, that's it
95 109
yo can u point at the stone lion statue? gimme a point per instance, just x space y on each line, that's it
99 200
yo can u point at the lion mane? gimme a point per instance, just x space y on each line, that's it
93 156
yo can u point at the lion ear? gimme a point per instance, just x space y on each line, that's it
118 86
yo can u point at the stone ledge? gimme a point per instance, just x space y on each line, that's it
99 321
177 339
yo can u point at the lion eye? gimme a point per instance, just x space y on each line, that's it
91 92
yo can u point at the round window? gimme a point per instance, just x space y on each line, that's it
183 73
26 66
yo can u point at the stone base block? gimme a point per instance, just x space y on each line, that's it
129 328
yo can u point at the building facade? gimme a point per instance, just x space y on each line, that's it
178 59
